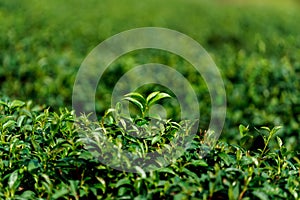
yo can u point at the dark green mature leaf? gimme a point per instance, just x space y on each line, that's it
226 158
191 174
32 165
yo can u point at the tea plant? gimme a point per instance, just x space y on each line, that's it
49 153
259 64
43 156
140 134
144 104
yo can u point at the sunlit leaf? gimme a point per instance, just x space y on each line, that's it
12 179
140 171
135 102
158 97
136 96
17 103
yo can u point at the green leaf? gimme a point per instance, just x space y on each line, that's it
275 130
12 179
28 194
33 164
233 191
3 103
266 128
151 96
155 139
243 129
20 120
260 195
136 96
8 124
226 158
140 171
157 97
279 141
60 193
17 103
86 155
123 181
246 160
166 170
46 177
202 163
135 102
141 121
73 187
180 196
246 140
191 174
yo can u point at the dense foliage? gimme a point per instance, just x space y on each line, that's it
43 157
255 46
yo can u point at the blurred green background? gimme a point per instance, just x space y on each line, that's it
255 45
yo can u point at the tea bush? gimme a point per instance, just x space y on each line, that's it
255 46
43 156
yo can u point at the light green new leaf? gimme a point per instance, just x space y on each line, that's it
155 139
140 171
151 96
20 120
8 124
136 96
17 103
279 141
266 128
157 97
243 129
135 102
3 103
275 129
